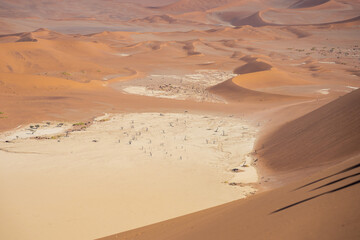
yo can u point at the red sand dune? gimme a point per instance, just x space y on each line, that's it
300 13
234 93
258 80
312 13
255 20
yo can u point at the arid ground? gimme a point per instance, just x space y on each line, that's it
180 119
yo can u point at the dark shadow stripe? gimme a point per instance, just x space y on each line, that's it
343 171
316 196
338 180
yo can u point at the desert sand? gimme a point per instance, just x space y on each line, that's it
319 200
179 119
137 165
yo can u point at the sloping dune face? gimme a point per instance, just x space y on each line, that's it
51 57
254 20
312 12
253 66
328 134
265 13
232 92
267 79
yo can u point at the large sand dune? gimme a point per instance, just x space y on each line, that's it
266 80
233 92
337 136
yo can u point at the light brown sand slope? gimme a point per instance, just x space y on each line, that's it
270 78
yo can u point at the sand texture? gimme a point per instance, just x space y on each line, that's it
135 165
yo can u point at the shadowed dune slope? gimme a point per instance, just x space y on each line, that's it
329 133
157 19
253 66
234 93
254 20
323 206
308 3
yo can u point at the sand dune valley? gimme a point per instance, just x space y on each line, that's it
179 119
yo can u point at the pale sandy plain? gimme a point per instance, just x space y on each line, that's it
129 170
115 115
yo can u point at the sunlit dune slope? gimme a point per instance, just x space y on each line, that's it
253 76
48 53
327 134
269 78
